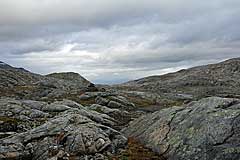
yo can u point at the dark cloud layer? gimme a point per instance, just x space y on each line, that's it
113 41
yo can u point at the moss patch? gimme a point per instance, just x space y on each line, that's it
140 102
136 151
9 120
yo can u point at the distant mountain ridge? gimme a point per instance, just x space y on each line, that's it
221 79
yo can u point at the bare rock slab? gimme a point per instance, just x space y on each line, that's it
205 129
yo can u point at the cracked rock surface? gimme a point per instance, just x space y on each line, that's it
74 133
205 129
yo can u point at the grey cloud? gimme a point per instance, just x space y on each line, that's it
120 40
42 12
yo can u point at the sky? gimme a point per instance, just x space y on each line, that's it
113 41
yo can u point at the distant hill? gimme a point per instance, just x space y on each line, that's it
21 83
70 76
221 79
4 65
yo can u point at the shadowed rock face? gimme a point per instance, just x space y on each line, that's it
205 129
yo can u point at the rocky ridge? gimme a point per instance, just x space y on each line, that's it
221 79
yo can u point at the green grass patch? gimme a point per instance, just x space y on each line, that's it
140 102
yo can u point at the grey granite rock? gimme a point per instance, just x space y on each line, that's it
75 132
102 101
115 102
106 110
55 108
68 103
19 116
205 129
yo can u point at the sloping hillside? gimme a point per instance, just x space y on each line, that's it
18 82
222 79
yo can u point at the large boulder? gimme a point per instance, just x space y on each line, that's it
205 129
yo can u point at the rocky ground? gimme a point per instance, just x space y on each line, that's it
62 129
64 116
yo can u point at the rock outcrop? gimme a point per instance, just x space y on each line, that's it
75 133
115 102
205 129
20 116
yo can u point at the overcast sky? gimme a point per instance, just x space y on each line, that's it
112 41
